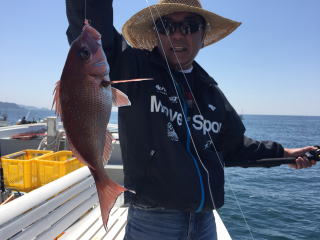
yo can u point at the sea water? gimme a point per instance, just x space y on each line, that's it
15 115
277 203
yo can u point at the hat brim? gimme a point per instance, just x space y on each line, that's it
139 29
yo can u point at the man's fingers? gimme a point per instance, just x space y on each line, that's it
303 162
299 162
306 149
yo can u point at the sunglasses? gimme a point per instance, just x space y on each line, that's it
168 27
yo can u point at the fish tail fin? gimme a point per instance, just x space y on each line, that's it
108 192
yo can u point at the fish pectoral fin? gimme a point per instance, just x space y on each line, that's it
56 99
107 147
119 99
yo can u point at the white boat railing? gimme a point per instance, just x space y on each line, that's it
8 131
45 212
68 208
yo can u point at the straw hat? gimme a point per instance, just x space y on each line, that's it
139 29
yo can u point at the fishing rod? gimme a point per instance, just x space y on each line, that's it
275 162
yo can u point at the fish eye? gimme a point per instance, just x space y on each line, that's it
84 53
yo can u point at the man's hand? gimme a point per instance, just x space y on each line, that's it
301 162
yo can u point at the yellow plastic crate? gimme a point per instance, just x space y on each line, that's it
20 170
55 165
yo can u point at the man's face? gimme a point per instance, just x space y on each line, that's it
184 39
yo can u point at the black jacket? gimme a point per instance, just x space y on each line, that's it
157 163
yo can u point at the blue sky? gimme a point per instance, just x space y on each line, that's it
269 65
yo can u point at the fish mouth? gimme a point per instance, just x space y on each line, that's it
103 75
100 63
92 32
104 69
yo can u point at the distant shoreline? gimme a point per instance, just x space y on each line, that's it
7 106
278 115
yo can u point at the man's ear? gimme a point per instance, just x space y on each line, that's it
203 37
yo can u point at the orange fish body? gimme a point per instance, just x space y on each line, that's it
83 99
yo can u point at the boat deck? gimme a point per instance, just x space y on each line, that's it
90 226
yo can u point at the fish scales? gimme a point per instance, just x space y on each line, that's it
86 119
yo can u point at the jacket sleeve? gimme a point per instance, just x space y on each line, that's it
236 147
250 150
100 15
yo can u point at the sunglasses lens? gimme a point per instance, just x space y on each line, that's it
162 27
185 27
195 27
171 28
165 27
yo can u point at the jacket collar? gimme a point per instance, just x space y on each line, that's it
202 75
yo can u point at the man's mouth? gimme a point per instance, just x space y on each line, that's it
178 49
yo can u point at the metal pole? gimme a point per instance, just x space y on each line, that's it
2 188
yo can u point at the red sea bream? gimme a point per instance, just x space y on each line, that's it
84 98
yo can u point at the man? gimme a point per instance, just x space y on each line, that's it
180 130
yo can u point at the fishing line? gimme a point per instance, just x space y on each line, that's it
184 116
85 9
198 109
213 144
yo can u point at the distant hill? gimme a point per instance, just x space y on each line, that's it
6 105
16 112
34 108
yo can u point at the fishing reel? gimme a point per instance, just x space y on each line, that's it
314 155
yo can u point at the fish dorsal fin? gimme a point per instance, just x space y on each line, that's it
107 147
119 99
56 99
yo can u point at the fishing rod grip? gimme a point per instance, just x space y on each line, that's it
247 164
285 160
265 162
274 162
